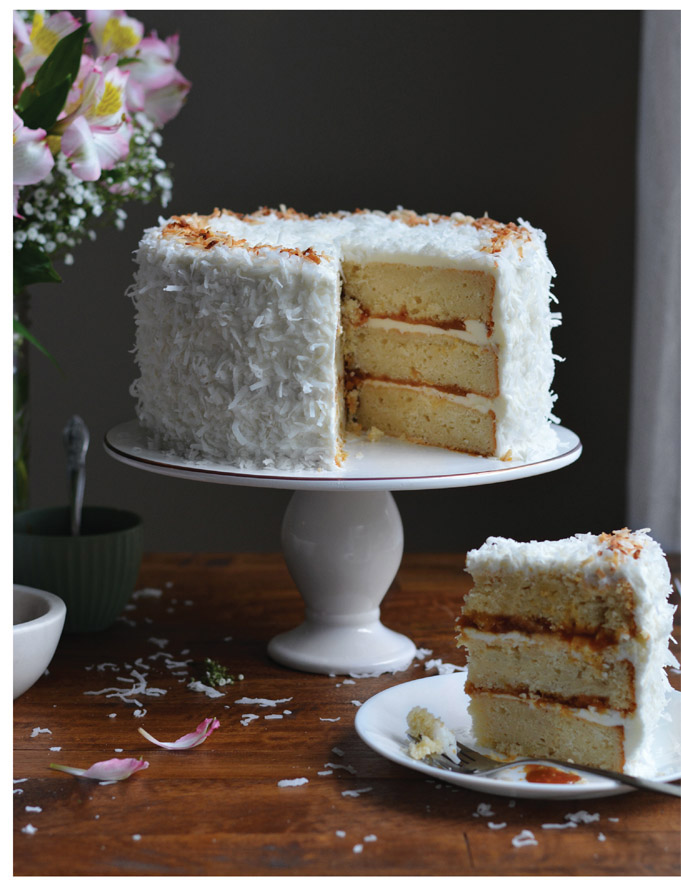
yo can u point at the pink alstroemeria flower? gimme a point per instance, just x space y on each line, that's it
114 770
114 31
94 135
32 158
190 740
155 86
34 42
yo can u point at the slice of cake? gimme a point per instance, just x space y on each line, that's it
567 642
259 337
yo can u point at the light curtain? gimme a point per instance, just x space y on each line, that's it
654 473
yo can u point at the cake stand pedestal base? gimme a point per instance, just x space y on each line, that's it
343 552
342 534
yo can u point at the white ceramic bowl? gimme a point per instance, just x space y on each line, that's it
38 623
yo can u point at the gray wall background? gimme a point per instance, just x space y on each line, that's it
517 114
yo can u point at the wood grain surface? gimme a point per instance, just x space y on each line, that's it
217 809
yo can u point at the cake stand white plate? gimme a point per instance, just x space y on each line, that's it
382 723
344 549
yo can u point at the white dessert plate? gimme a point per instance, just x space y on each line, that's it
382 723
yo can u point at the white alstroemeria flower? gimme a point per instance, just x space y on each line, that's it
31 156
37 40
114 31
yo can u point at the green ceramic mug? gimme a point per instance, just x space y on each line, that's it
93 573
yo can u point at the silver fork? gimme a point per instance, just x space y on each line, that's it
474 763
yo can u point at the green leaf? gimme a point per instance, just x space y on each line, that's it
43 110
32 265
62 62
23 331
41 103
19 75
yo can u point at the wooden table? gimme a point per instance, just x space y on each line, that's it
218 810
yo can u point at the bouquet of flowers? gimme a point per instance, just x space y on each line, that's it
89 101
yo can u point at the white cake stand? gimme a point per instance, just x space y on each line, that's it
344 549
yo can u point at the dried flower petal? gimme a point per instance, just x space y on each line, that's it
113 770
190 740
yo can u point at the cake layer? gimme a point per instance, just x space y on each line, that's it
445 296
422 415
517 728
547 600
440 360
549 667
604 586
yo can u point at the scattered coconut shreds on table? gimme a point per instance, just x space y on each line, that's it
484 809
106 772
525 838
147 592
200 687
292 783
341 766
189 740
138 687
37 731
263 703
443 668
583 816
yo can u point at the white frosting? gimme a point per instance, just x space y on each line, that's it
238 354
238 350
640 562
474 332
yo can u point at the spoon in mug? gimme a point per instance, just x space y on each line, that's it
76 442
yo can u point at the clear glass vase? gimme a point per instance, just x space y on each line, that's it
21 404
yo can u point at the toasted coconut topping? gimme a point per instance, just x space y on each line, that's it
501 234
193 230
623 541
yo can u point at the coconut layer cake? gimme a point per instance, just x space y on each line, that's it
263 338
567 642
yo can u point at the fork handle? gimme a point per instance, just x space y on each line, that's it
635 781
